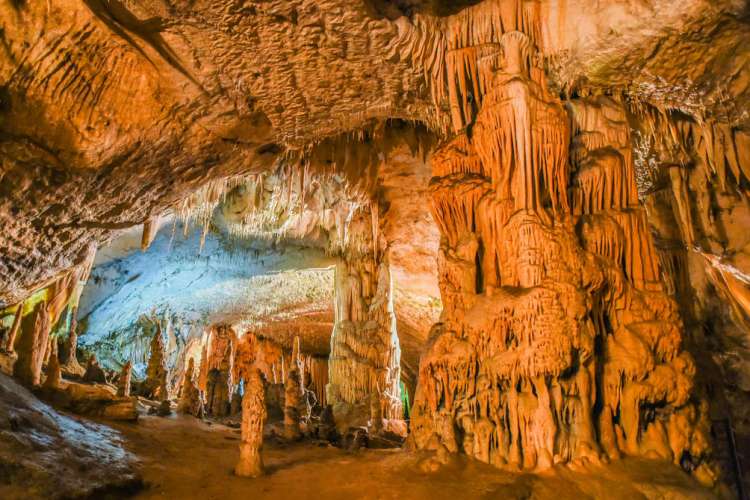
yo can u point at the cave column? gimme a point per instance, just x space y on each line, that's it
365 354
123 383
253 419
156 371
293 392
31 344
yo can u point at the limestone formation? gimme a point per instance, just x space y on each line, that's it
155 385
554 317
527 217
10 337
94 373
253 419
69 348
365 352
54 374
219 386
293 392
123 383
191 401
32 344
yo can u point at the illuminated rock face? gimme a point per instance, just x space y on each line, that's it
293 390
562 335
365 355
253 418
557 340
155 385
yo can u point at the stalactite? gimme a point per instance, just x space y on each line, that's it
150 227
318 369
14 329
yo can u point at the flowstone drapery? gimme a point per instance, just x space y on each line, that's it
557 342
365 352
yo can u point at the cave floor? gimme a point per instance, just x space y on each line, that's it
182 457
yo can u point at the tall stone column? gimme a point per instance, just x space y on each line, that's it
253 420
123 383
293 391
155 384
10 340
32 344
365 355
191 401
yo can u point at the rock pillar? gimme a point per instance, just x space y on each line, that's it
253 419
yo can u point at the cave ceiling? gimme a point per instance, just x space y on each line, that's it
111 112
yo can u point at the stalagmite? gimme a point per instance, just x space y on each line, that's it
123 383
94 373
69 350
155 385
32 344
191 401
365 353
54 374
293 391
253 419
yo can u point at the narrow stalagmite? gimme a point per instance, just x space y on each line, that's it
10 340
155 385
94 373
293 394
32 344
190 397
253 420
123 384
54 375
68 350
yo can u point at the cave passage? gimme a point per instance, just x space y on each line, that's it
375 249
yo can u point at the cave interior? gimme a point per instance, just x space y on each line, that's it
375 249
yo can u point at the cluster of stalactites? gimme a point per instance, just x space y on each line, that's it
199 207
34 319
723 150
317 369
460 54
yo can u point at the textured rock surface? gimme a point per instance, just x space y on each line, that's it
587 239
47 455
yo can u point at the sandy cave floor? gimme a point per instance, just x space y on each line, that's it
182 457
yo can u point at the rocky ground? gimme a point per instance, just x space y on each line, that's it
44 454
